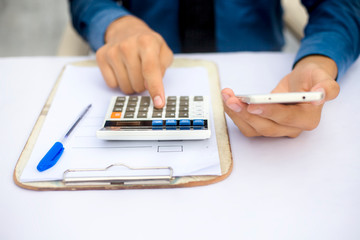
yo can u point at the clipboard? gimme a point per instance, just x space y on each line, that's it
100 180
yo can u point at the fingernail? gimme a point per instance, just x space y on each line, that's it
225 97
319 90
235 107
157 101
256 111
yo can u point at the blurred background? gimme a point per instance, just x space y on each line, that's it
31 27
37 28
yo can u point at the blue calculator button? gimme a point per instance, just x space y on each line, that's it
184 127
157 123
184 122
198 122
171 122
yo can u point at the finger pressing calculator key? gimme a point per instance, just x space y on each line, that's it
136 118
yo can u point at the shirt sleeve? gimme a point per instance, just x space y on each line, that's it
91 18
333 30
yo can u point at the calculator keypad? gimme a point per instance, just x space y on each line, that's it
186 114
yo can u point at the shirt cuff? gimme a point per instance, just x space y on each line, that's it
99 24
329 45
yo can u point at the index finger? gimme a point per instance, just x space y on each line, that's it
152 73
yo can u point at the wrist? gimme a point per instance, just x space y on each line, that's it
323 62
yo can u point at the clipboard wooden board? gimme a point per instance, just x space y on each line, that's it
222 138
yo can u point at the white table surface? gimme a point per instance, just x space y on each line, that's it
300 198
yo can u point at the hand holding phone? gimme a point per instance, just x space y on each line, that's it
289 97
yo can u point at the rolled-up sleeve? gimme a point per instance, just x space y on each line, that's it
333 30
91 18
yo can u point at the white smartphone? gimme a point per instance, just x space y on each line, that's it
290 97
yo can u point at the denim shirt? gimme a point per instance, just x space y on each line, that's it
333 29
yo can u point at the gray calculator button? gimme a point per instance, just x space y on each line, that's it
183 114
184 103
117 109
133 99
171 103
132 104
145 104
119 104
170 109
142 115
183 109
130 109
129 115
143 109
198 98
171 98
184 98
157 114
145 101
170 115
120 99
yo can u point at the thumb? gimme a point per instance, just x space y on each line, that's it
330 88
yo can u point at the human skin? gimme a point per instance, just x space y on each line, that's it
312 73
135 58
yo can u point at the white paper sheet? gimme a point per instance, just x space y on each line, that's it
83 85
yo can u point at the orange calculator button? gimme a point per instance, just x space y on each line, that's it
116 115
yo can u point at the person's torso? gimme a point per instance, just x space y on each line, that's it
240 25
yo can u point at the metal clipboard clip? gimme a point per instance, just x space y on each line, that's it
118 174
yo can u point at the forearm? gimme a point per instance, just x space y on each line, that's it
333 30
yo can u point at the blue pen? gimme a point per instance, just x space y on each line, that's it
53 155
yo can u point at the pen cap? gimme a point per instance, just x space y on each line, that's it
51 157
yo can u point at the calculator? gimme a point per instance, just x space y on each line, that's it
136 118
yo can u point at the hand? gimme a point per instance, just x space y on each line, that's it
134 58
313 73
